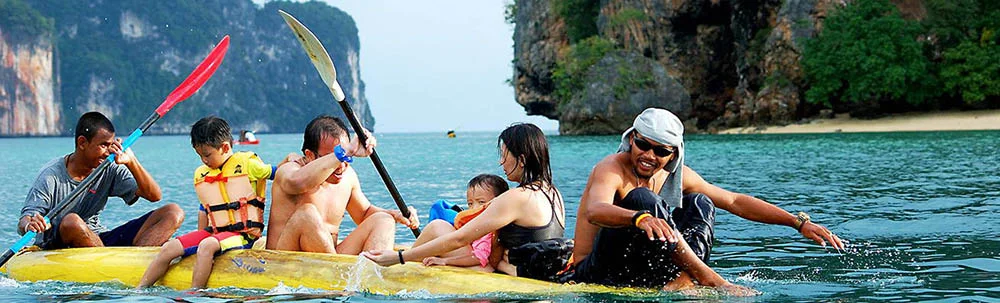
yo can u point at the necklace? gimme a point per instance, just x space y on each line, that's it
650 183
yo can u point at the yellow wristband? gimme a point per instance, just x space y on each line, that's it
640 217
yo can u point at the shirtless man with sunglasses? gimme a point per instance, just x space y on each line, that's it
625 234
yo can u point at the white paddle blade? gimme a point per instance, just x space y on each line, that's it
317 54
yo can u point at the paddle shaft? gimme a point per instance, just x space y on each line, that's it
192 83
324 65
349 112
73 196
107 162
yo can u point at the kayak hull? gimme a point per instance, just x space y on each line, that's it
266 269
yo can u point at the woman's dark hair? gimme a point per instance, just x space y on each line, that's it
494 183
211 131
526 143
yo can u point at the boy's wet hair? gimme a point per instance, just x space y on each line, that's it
494 183
90 123
319 127
211 131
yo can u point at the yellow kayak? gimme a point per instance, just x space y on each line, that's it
266 269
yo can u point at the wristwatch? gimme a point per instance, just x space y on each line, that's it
800 219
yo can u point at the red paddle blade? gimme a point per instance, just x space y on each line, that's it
198 77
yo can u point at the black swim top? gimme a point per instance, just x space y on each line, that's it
513 235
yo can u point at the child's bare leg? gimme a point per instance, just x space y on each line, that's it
168 252
433 230
203 265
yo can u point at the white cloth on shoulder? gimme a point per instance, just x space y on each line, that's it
664 127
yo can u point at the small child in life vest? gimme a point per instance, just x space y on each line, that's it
481 190
231 190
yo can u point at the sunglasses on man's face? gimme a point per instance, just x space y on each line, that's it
659 151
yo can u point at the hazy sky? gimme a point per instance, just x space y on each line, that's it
430 66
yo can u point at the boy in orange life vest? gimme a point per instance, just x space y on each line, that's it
231 189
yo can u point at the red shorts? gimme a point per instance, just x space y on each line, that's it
227 240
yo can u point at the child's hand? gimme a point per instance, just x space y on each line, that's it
434 261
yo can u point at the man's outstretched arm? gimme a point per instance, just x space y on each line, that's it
755 209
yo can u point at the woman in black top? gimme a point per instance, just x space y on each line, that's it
530 217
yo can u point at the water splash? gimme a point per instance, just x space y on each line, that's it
920 232
6 282
362 272
283 289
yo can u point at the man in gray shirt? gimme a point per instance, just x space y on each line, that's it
79 225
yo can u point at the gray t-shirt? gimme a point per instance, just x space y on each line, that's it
54 183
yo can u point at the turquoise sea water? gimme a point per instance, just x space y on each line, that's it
921 210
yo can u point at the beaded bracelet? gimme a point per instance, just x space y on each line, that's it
639 215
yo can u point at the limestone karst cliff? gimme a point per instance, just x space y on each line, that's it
123 57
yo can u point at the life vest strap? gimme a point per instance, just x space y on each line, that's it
256 202
238 227
235 205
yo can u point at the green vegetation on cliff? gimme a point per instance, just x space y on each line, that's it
124 57
580 17
967 36
20 21
570 68
972 70
587 48
868 56
867 53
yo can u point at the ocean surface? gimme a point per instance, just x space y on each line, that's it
921 211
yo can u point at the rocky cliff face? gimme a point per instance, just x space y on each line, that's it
28 87
736 62
123 57
539 35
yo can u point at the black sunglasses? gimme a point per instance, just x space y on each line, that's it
659 151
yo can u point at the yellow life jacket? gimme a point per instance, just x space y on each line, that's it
232 195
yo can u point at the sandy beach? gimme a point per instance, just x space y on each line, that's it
929 121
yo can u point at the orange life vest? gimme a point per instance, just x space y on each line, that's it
467 215
233 199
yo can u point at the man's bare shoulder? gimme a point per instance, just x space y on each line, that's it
691 180
612 165
286 169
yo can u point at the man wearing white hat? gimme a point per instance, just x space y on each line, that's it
625 235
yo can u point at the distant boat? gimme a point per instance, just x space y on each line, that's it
247 138
451 133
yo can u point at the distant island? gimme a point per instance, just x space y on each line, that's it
63 58
723 64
